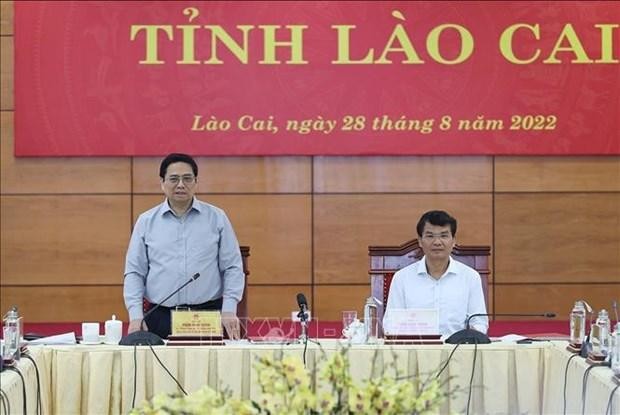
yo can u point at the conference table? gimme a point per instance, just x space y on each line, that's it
508 378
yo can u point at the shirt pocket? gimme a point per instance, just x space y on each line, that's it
203 247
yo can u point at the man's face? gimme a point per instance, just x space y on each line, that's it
437 241
179 184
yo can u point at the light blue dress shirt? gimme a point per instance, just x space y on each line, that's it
166 250
457 294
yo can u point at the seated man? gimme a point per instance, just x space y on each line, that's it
439 282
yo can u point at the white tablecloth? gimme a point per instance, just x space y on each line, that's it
508 379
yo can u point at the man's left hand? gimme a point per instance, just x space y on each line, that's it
231 324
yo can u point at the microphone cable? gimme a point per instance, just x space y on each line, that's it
36 369
135 374
6 404
167 371
25 407
566 379
306 343
584 386
611 398
471 379
305 348
448 361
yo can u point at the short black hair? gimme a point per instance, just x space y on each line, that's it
176 158
437 218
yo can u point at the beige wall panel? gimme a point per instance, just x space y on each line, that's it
275 301
6 17
557 237
331 300
6 73
549 174
275 227
402 174
46 175
66 304
345 225
64 239
234 174
556 298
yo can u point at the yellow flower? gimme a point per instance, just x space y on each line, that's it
359 400
325 402
287 388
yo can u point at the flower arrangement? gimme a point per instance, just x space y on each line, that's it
287 388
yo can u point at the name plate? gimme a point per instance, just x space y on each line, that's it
196 323
411 321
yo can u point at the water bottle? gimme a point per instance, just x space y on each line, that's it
577 324
12 335
615 351
370 320
599 335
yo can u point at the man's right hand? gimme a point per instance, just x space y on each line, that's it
135 325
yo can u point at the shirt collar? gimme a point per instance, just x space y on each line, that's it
166 207
450 270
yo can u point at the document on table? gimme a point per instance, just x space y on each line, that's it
509 338
66 338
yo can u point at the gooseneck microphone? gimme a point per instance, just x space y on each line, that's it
143 337
471 336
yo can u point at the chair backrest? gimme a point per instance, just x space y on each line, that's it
242 306
386 260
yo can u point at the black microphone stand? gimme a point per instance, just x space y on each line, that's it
143 337
471 336
303 319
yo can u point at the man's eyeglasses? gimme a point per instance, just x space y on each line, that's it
187 179
443 237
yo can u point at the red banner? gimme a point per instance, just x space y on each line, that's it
316 78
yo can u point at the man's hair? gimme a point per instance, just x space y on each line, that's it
176 158
437 218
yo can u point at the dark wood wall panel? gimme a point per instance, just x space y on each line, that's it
6 73
557 237
557 298
65 303
6 17
71 239
275 301
234 175
345 225
402 174
557 174
331 300
53 175
275 227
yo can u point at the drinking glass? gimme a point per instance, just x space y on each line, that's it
347 318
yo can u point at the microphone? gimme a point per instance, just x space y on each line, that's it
303 317
303 307
143 337
471 336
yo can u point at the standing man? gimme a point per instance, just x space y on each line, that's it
175 240
438 281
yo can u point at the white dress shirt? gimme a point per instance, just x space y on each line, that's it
456 295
